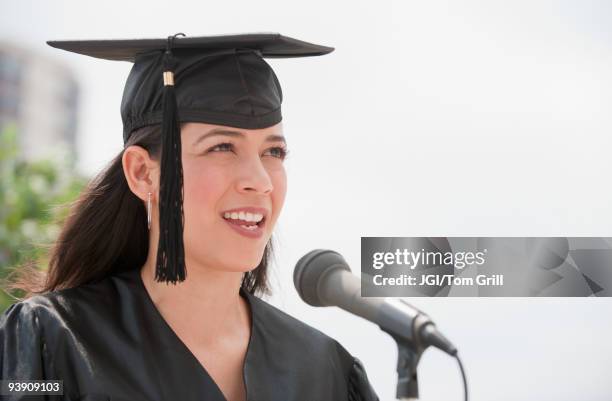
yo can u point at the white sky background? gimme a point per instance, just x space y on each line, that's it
430 119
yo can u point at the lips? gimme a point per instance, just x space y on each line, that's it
247 221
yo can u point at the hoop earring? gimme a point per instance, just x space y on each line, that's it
149 211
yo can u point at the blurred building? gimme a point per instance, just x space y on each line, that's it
39 97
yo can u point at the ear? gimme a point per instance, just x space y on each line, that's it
141 172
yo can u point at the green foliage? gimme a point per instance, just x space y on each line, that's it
31 196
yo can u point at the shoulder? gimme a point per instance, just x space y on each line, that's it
56 310
281 328
288 344
20 315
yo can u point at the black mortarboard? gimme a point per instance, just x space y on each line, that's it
220 80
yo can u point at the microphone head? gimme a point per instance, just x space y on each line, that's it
311 268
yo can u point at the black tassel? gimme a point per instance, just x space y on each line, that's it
170 265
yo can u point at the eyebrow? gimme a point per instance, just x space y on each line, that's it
236 134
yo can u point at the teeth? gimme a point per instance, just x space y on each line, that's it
250 217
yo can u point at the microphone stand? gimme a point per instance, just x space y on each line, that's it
408 357
409 351
407 381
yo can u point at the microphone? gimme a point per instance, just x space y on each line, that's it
323 278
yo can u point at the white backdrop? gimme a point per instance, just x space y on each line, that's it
430 119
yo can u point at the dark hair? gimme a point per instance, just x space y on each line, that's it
106 232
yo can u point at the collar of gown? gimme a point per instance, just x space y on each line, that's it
183 352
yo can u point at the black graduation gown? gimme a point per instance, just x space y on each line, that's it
107 341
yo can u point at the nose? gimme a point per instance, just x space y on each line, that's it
253 177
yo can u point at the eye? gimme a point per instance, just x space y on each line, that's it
222 147
278 152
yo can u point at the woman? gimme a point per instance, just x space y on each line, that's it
151 289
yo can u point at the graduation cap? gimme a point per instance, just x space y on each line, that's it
221 80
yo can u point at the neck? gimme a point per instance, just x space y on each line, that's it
207 304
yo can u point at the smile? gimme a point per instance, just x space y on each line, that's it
249 221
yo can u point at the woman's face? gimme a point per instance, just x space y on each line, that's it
234 188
